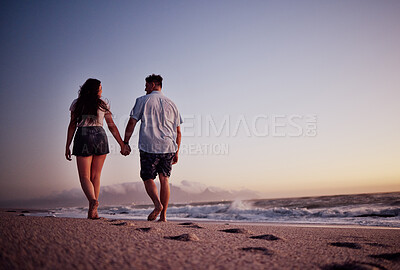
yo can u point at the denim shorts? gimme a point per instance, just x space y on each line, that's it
90 141
151 164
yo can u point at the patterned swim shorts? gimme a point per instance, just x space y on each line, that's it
151 164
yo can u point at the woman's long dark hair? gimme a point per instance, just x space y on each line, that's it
89 102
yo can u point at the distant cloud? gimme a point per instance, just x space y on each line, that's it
192 187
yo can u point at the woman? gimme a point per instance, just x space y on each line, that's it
90 144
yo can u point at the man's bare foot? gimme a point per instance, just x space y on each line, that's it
153 215
163 217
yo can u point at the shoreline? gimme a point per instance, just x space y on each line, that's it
250 223
31 242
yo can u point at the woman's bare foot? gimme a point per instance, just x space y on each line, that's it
153 215
92 213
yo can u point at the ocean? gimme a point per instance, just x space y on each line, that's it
379 209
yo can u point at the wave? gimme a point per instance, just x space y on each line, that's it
364 209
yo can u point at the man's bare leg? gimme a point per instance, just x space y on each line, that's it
151 190
164 196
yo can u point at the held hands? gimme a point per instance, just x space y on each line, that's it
125 149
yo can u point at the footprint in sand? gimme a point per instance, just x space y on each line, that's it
268 237
148 229
387 256
236 230
124 223
352 265
191 225
195 226
144 229
346 244
113 220
184 237
258 250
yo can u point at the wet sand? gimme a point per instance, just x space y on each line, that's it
29 242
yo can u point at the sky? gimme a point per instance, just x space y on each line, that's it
286 98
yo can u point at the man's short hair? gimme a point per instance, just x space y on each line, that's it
153 78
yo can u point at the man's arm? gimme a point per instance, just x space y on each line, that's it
178 142
129 129
128 133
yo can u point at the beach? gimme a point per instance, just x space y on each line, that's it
31 242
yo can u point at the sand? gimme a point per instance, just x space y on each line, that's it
29 242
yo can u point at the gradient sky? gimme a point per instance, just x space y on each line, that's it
237 65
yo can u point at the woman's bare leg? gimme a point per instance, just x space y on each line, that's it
89 169
95 173
84 170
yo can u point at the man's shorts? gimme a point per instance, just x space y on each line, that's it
90 141
151 164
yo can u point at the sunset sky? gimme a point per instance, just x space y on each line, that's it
287 98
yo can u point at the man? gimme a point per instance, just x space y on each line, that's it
159 141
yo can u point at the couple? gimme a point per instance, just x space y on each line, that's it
159 140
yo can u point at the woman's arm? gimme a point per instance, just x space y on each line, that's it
70 135
114 130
